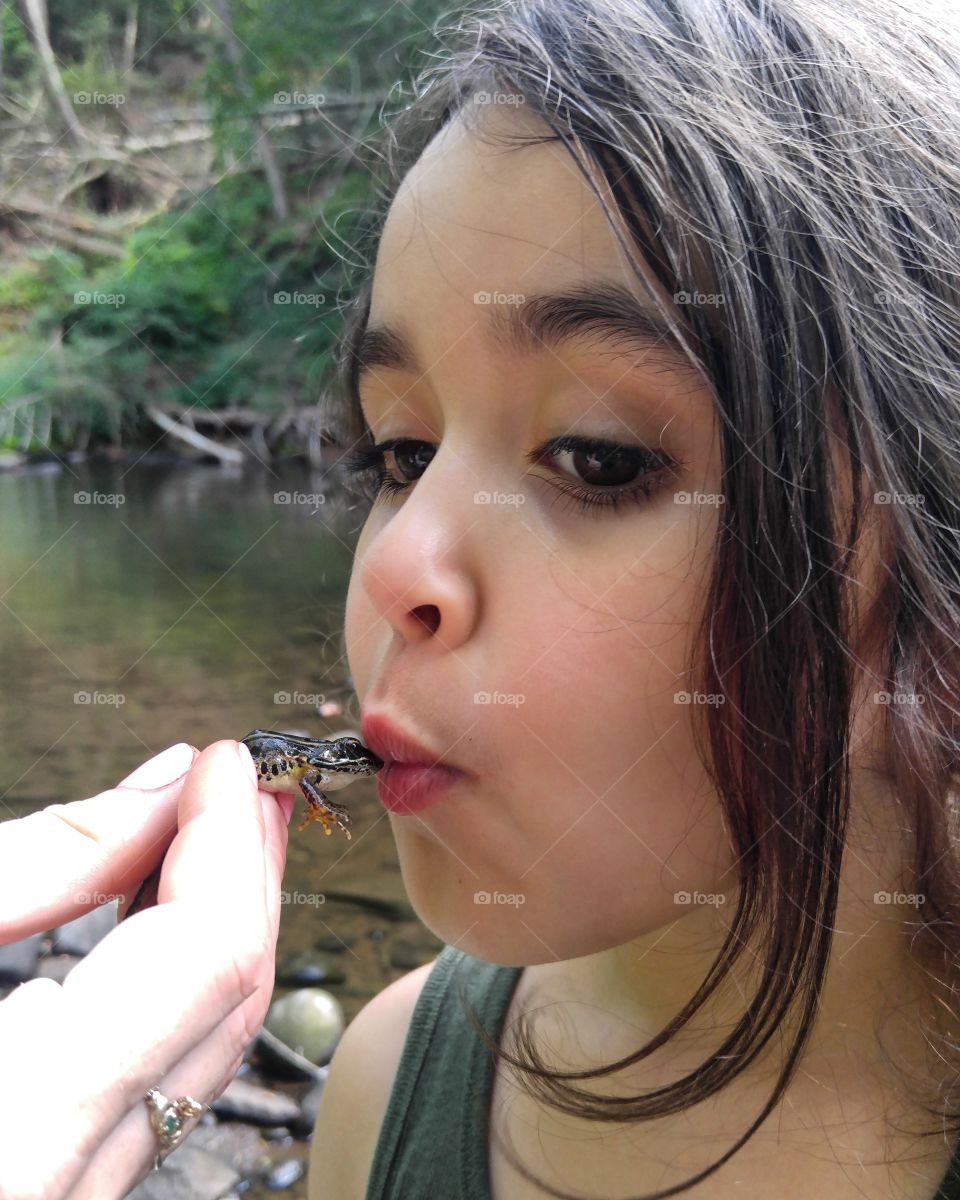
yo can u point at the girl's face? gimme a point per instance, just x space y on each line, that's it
587 815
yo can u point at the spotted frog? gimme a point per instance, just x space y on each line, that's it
311 766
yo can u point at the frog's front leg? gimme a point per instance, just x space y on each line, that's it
319 808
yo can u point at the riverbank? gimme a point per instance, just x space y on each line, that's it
233 437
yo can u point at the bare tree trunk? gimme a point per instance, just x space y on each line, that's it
35 16
278 194
130 38
226 454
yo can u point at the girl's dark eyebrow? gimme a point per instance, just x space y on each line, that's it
605 309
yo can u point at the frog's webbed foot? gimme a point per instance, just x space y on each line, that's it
319 808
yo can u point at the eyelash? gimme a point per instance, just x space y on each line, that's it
371 459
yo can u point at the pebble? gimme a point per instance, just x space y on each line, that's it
259 1106
309 1021
242 1146
309 1105
335 943
82 934
406 955
308 968
284 1175
187 1171
18 960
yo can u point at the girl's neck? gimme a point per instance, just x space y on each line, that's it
877 1000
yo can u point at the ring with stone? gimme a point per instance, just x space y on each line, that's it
167 1117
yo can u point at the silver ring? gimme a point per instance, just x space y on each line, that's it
167 1117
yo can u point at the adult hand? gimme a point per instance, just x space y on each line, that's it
170 998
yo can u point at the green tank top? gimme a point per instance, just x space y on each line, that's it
433 1143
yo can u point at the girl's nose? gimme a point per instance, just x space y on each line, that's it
421 582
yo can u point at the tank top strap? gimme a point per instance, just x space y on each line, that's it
433 1141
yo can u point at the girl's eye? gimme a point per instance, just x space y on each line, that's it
410 458
615 472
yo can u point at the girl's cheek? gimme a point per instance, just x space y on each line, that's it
360 622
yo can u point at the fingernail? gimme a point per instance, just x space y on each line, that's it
247 759
163 768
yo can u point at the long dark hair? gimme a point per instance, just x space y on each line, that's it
801 158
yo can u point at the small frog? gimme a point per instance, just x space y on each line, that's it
313 766
287 764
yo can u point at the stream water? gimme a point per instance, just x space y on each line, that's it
146 605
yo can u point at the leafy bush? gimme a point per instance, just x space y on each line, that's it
215 301
190 314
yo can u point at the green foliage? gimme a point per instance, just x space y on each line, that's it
19 60
53 396
82 31
215 302
95 76
28 286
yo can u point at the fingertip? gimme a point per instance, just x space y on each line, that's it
220 776
286 802
276 808
246 759
162 769
271 802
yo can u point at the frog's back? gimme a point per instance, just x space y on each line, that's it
265 741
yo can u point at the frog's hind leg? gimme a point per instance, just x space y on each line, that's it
319 808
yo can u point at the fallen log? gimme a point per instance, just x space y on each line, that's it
30 207
243 418
78 242
226 454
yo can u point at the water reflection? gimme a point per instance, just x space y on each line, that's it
202 606
155 604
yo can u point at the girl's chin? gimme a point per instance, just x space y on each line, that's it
493 940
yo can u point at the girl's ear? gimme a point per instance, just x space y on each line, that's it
871 586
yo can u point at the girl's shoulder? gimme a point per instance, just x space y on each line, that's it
358 1087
